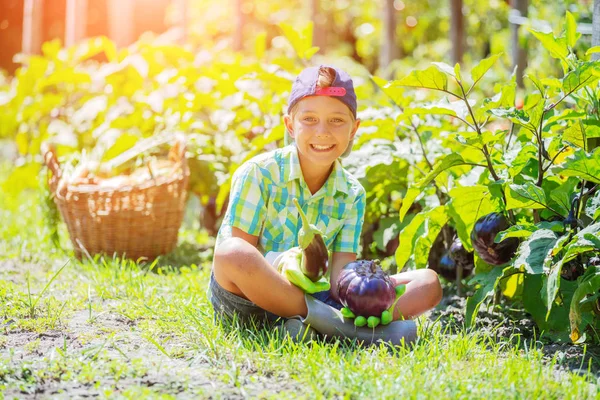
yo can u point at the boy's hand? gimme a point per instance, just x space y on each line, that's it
288 264
386 316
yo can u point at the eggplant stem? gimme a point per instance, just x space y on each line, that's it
393 306
305 223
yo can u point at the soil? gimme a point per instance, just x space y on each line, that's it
24 355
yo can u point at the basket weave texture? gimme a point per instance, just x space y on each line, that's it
134 221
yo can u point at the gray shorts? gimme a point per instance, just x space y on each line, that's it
233 307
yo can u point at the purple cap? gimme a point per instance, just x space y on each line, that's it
305 85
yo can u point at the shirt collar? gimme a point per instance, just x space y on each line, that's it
336 181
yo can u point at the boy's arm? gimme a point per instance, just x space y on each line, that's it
237 232
338 261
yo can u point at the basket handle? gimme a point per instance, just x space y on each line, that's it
50 159
177 153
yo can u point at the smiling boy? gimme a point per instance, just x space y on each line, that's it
262 220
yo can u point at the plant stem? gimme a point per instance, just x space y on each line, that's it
541 150
485 150
581 205
420 141
554 158
512 129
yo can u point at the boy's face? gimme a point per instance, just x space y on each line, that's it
322 128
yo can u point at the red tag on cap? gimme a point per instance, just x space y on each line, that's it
331 91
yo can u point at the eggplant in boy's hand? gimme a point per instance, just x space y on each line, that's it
367 293
315 257
306 265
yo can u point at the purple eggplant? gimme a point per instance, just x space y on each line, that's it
315 256
483 234
365 288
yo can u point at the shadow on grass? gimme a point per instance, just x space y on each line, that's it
184 255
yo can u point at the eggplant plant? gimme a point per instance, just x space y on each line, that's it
518 182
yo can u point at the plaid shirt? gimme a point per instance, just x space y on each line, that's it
261 203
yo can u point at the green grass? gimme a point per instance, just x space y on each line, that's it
119 329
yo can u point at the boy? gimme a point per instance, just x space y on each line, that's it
261 217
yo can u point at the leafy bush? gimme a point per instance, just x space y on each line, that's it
534 162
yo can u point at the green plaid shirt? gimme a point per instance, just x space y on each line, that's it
261 203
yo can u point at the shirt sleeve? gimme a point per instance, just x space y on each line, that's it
348 239
247 204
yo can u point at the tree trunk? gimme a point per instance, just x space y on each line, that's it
75 21
457 30
183 5
389 47
596 29
238 30
319 20
121 24
519 54
32 26
11 33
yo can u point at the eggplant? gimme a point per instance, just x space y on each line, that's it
483 234
315 257
462 257
572 270
365 289
448 267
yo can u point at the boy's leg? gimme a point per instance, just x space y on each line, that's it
423 292
241 269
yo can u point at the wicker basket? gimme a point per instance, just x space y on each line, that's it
135 221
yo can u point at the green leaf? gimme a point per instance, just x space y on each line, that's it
487 283
589 286
556 46
300 39
584 75
484 65
466 206
124 142
21 178
593 238
408 237
308 53
435 221
533 301
446 162
575 135
389 228
430 78
457 71
591 50
561 196
411 194
553 282
532 253
505 98
418 237
582 165
571 30
592 208
519 157
445 68
527 195
394 92
524 231
441 108
519 117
